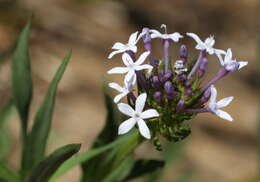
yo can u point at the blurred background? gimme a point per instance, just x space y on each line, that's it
216 150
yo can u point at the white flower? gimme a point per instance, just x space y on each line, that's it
173 36
137 116
206 45
214 106
131 66
229 63
130 46
128 87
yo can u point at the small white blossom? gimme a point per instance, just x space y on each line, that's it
206 45
131 66
123 91
137 116
173 36
179 67
130 46
214 106
229 63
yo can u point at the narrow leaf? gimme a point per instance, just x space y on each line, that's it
22 79
143 167
84 157
43 171
42 122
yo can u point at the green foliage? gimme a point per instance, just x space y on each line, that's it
42 122
43 171
7 175
22 78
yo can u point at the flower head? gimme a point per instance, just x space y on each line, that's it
137 116
130 46
131 66
173 36
214 106
206 45
228 63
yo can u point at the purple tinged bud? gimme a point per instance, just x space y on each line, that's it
187 84
180 105
184 53
147 39
167 76
205 96
181 77
156 82
168 87
202 67
188 92
158 97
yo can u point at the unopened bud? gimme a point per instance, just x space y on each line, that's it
168 87
158 97
156 82
167 76
202 67
184 53
180 105
205 96
188 92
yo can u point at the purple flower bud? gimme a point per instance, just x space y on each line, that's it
205 96
181 77
188 92
158 97
168 87
187 84
167 76
180 105
202 67
156 82
184 53
142 80
147 39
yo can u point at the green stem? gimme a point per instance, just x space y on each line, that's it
8 175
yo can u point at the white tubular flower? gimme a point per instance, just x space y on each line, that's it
123 91
131 66
130 46
214 106
179 67
228 63
137 116
173 36
206 45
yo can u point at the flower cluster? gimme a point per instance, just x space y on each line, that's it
170 90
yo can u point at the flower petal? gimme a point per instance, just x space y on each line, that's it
127 60
119 97
116 87
142 67
126 109
195 37
210 41
144 130
150 113
129 75
132 38
155 34
126 126
228 56
220 58
242 64
115 52
118 70
118 45
213 95
224 115
140 102
175 36
224 102
142 58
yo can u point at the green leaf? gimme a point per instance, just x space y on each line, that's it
86 156
8 175
42 122
43 171
120 173
107 135
143 167
22 79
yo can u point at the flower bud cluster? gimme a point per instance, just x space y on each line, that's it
170 89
